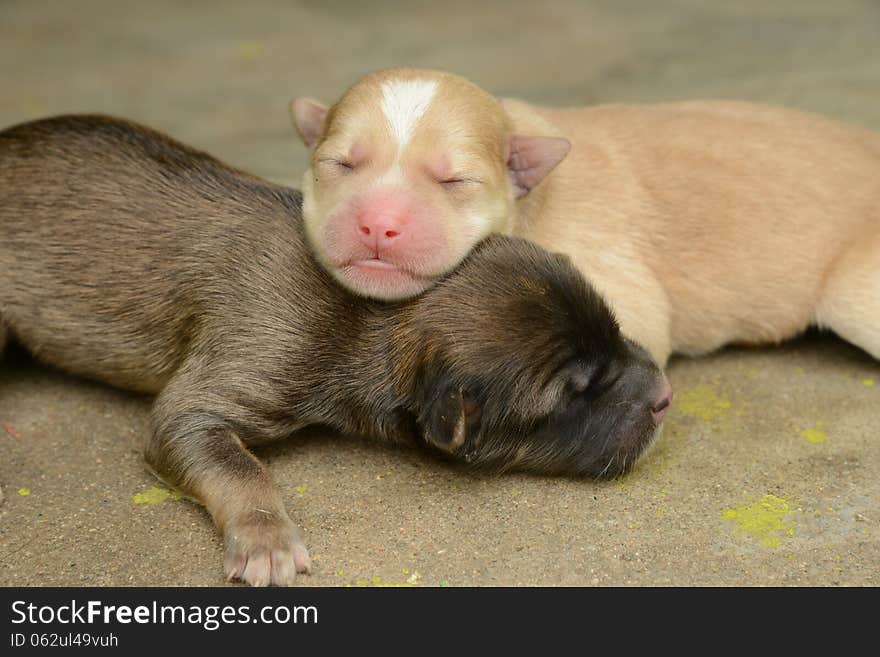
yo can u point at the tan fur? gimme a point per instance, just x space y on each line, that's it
703 223
460 134
706 223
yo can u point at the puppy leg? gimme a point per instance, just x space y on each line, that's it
637 299
194 447
850 301
652 335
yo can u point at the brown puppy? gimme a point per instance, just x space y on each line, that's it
702 223
131 259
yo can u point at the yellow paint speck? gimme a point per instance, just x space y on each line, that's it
301 489
815 436
24 492
250 50
514 492
377 581
156 495
340 572
868 383
765 519
702 402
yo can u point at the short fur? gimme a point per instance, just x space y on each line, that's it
132 259
706 223
702 223
359 169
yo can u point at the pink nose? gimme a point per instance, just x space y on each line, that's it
661 405
379 232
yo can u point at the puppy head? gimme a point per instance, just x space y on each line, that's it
515 362
409 170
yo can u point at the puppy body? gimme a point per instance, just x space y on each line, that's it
132 259
702 223
706 223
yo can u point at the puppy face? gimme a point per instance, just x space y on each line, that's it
528 371
409 170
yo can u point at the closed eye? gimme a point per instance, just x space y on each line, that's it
576 376
456 181
340 164
578 381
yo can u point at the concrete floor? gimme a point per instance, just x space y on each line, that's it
768 472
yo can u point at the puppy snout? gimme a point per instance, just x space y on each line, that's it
662 401
379 231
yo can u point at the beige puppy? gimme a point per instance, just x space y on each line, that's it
702 223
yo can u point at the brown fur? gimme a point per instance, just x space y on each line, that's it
134 260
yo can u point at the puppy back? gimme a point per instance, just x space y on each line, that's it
118 245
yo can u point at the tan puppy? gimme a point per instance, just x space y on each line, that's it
703 223
401 188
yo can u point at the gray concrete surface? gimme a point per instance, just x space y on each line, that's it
768 472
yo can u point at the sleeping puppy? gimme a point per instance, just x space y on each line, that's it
702 223
129 258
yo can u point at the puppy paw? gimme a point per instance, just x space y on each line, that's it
264 549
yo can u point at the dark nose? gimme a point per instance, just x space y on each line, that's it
663 399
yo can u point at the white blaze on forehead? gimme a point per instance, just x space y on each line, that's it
404 102
392 177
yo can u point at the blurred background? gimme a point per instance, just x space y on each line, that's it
220 74
768 470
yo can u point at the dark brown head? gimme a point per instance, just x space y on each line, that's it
516 363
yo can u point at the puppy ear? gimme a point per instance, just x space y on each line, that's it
308 118
449 418
532 158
